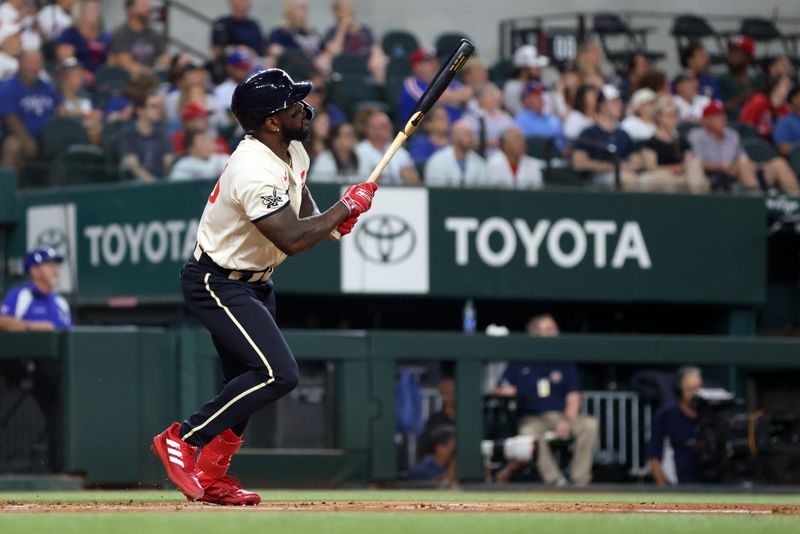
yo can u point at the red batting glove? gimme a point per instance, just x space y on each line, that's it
347 226
358 198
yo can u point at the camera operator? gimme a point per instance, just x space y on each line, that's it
679 423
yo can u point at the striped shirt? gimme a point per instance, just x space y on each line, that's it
713 150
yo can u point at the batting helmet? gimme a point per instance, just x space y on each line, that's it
263 94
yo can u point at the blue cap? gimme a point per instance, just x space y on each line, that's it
41 255
240 57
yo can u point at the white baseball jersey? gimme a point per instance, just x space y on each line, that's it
255 184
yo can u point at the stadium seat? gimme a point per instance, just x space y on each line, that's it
689 28
108 81
446 43
501 71
745 130
759 150
59 134
347 93
349 65
296 64
684 128
609 26
794 160
398 68
541 148
765 31
82 164
398 43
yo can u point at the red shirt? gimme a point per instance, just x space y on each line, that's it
759 113
221 146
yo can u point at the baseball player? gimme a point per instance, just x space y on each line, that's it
259 212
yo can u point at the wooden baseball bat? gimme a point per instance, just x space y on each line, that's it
432 93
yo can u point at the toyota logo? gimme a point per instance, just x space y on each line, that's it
385 239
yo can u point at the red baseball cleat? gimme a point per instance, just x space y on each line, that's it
212 469
178 459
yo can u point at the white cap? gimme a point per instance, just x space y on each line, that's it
642 96
7 30
527 56
609 92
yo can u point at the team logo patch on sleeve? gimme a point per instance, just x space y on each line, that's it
274 200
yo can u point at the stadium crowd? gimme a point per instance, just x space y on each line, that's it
152 115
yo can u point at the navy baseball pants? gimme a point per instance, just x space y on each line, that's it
257 364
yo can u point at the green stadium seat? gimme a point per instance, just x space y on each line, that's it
350 65
759 150
82 164
745 130
446 43
501 71
399 43
59 134
794 160
398 68
684 128
347 93
296 64
541 148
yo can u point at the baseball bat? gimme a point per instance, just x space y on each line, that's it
439 83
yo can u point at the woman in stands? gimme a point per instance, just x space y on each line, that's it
339 163
583 114
295 33
763 109
85 40
73 104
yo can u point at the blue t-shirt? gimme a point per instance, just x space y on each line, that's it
707 85
422 148
229 31
601 145
34 105
541 125
426 469
787 130
90 54
412 91
681 431
308 42
28 303
542 386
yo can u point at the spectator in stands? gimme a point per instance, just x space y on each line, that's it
55 18
549 401
474 73
349 36
668 153
200 161
689 101
22 12
510 167
488 119
424 66
562 98
26 103
134 45
237 29
196 118
780 66
85 40
677 423
528 65
446 417
737 85
379 134
604 147
457 165
192 85
656 80
74 103
35 306
724 160
145 146
583 113
763 109
534 121
10 49
786 133
318 99
640 125
435 135
438 465
317 140
339 163
638 66
589 62
296 33
694 58
239 64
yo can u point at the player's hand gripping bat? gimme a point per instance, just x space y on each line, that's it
431 95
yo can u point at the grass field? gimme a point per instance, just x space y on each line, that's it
406 512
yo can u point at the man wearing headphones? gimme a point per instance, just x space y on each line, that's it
677 422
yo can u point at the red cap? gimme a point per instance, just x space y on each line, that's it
745 43
713 108
194 110
421 54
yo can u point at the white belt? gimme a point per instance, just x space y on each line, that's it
247 276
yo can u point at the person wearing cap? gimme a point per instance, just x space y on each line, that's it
786 133
534 121
145 148
34 305
764 108
738 84
604 147
640 124
668 157
200 162
720 149
135 46
191 83
238 65
85 40
424 66
195 118
74 104
695 58
510 167
10 49
27 102
457 165
528 65
689 101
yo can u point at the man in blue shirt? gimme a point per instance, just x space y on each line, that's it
424 67
549 405
534 122
677 423
695 58
34 306
786 133
26 104
237 29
